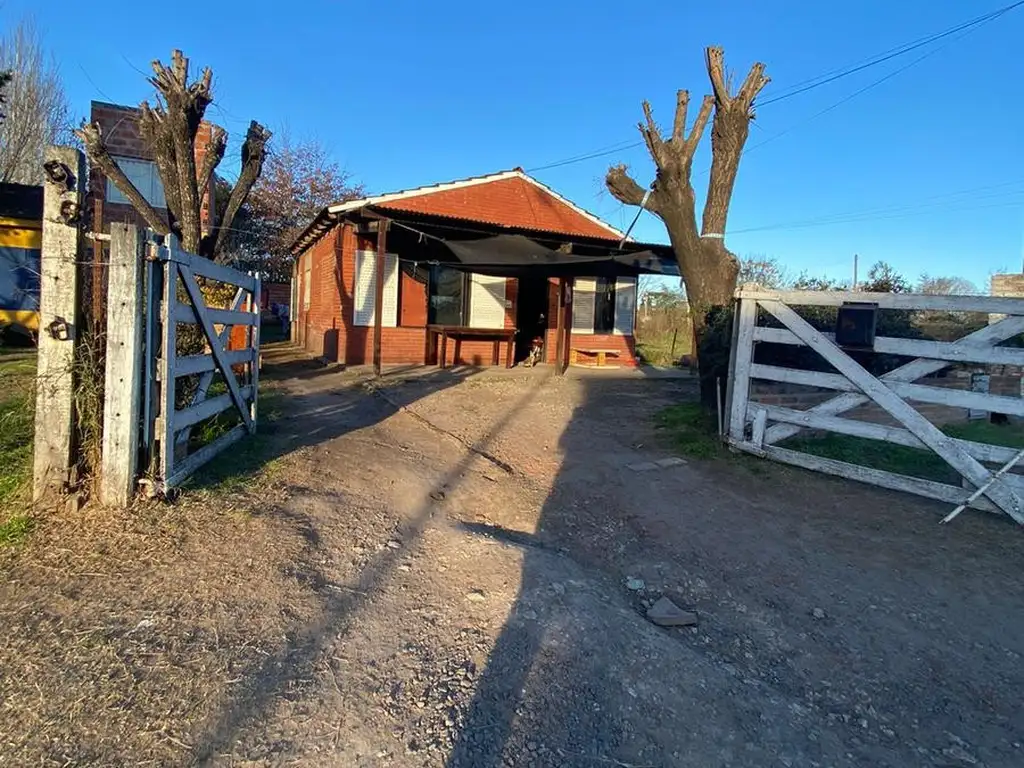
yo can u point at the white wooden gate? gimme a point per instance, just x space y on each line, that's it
177 298
757 428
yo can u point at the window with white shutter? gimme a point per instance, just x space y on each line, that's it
486 301
625 305
365 289
583 305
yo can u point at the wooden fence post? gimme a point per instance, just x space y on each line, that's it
741 358
63 190
123 389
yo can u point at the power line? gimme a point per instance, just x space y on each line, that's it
940 202
823 79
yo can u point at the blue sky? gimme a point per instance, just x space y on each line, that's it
409 93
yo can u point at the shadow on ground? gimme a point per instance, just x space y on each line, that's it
840 625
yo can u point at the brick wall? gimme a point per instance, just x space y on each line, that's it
120 130
326 329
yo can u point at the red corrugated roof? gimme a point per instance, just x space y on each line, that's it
510 199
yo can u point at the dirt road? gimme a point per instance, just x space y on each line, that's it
455 594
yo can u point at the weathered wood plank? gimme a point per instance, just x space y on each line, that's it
760 421
154 272
912 371
186 417
183 313
802 377
209 269
922 393
59 316
985 304
254 343
187 467
746 316
166 366
937 350
198 304
123 386
193 364
995 454
878 477
889 401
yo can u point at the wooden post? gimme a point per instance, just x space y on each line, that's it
742 357
166 365
254 345
123 387
564 325
154 292
378 291
59 318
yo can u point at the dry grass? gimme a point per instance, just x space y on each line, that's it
127 633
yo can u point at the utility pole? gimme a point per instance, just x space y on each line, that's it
854 286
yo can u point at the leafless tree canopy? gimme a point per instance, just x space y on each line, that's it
169 129
766 271
35 109
298 181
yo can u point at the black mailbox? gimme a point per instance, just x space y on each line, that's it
855 325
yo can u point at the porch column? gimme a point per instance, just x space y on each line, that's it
563 324
378 299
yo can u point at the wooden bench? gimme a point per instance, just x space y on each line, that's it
442 333
602 354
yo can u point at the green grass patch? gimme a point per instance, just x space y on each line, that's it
15 529
690 430
17 423
236 468
658 349
903 460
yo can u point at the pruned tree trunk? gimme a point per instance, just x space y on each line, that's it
708 268
169 130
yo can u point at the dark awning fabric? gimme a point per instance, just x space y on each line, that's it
518 256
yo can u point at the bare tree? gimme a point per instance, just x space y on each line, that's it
299 180
945 286
169 130
36 111
708 268
766 271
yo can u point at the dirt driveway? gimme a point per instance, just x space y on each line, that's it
454 593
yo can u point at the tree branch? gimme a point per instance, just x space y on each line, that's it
714 57
254 152
679 126
214 154
728 136
186 105
96 149
155 132
756 80
699 124
652 135
626 190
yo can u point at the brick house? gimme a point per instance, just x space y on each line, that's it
426 288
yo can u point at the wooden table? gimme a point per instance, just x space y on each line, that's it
460 332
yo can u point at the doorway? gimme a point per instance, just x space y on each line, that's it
531 315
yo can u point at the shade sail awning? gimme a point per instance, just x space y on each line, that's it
518 256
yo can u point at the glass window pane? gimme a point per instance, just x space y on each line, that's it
446 296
